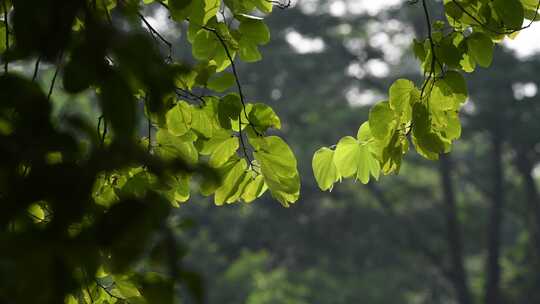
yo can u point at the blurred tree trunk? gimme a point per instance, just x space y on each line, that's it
493 269
525 168
453 232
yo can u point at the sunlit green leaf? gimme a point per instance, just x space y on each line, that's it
324 168
347 156
381 120
254 189
367 165
231 183
224 151
278 167
179 119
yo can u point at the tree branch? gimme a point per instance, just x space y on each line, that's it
480 23
434 59
6 25
36 69
58 65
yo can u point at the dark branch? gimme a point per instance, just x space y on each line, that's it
155 34
434 59
36 69
240 92
58 65
98 284
6 25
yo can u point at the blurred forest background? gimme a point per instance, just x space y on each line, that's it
434 234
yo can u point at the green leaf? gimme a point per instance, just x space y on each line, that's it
138 185
381 120
210 185
205 45
2 37
467 63
278 167
264 6
171 147
229 108
403 93
367 165
346 156
364 132
221 82
452 11
449 93
426 138
530 4
511 12
223 152
421 150
419 50
38 214
254 31
203 11
201 122
210 145
254 189
237 195
231 183
453 129
448 53
480 48
105 194
118 106
392 153
248 51
179 119
263 117
324 168
181 190
179 9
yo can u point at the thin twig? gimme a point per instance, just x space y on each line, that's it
432 46
6 25
37 218
153 31
240 92
108 292
51 88
235 73
162 4
190 95
36 69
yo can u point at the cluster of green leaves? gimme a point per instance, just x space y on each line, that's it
224 130
80 206
426 116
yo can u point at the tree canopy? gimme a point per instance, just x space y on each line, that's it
82 201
